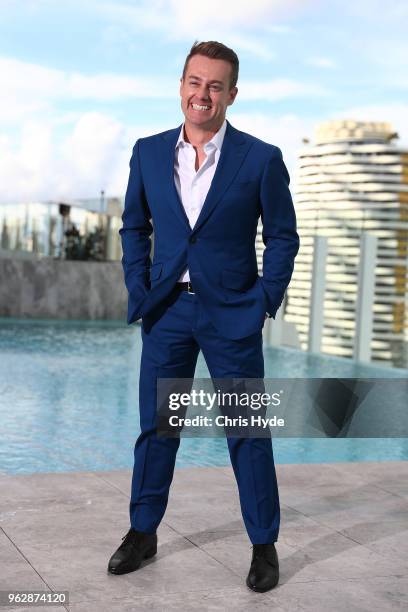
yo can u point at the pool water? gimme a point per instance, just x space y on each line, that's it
69 401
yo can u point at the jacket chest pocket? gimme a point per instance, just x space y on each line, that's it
243 187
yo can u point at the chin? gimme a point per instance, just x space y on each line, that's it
198 121
195 119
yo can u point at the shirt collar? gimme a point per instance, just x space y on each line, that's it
216 140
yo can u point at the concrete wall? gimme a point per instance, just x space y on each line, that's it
58 289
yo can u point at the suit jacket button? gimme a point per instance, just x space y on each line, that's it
193 239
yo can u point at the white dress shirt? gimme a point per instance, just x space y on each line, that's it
192 186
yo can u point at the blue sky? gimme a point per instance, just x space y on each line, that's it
82 80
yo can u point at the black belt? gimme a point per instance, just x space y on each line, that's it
186 286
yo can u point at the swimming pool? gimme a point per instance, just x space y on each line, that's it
69 401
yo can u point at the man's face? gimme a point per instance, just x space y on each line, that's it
205 92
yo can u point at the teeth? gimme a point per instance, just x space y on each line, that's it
198 107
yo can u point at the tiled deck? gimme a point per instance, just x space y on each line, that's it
343 543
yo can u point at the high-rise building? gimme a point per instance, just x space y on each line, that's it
352 179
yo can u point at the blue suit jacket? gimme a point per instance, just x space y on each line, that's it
250 180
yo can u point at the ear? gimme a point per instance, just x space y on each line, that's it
181 85
233 95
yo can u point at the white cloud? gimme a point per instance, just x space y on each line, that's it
244 44
90 153
95 148
93 156
234 22
184 18
279 89
41 86
33 89
285 131
113 87
237 23
41 168
277 29
23 169
228 12
321 62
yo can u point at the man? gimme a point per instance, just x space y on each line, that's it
202 187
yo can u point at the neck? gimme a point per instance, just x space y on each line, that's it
198 136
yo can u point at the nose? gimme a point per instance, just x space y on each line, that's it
203 93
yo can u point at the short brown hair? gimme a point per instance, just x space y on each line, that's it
215 50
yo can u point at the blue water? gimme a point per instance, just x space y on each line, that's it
69 401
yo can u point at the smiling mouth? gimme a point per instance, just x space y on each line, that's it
200 107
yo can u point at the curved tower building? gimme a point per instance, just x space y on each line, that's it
353 178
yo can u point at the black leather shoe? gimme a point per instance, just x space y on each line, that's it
264 571
135 547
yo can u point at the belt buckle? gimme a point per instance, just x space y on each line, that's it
189 287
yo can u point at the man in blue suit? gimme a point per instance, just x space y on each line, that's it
202 188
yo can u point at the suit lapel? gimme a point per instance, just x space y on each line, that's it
234 148
170 138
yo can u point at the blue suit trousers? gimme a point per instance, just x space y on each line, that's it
172 340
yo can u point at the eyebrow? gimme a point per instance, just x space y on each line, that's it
192 76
